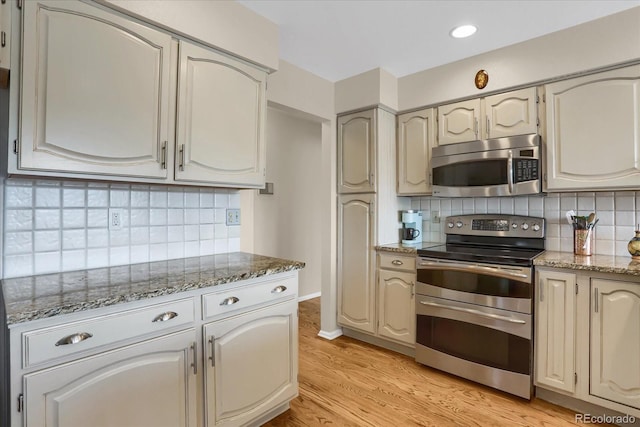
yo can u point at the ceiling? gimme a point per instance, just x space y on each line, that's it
335 39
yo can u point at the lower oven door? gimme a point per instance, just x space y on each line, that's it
486 345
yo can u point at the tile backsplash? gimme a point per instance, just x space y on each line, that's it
52 226
619 213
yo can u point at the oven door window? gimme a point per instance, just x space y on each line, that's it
475 283
475 343
483 172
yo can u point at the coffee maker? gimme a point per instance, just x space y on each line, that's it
411 227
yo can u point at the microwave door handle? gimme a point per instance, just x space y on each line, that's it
510 172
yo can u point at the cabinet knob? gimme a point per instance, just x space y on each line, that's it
74 338
230 301
165 316
278 289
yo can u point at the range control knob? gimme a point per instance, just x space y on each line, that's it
524 226
450 224
536 227
459 224
514 225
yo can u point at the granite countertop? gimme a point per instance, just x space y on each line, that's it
38 297
599 263
411 249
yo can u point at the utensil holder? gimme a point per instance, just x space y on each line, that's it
583 242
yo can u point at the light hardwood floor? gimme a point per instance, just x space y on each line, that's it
346 382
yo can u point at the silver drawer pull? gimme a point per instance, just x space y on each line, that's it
165 316
74 338
278 289
230 301
396 262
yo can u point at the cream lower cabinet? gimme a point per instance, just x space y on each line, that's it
147 384
615 341
251 364
396 298
416 138
555 330
356 262
593 132
587 337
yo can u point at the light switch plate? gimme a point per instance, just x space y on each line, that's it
233 216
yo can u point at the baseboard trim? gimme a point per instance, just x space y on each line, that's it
381 342
330 335
308 296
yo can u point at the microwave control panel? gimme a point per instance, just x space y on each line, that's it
525 170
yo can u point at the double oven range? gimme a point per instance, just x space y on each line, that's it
474 300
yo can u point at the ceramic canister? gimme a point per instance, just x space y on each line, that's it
634 246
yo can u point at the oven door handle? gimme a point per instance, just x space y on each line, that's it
495 271
475 312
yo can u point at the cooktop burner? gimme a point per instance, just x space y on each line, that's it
490 238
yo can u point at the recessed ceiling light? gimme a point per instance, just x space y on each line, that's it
463 31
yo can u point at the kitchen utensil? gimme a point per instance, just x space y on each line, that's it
570 215
590 224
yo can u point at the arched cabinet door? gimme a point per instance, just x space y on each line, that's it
459 122
357 152
221 118
95 93
416 138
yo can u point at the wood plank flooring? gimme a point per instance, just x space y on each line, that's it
346 382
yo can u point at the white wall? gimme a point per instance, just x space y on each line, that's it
367 89
288 224
225 25
607 41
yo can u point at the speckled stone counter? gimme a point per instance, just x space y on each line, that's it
405 249
38 297
599 263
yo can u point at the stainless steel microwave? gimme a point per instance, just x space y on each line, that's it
493 167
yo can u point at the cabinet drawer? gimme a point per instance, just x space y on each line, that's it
56 342
397 262
231 300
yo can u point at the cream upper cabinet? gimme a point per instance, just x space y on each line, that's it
356 262
95 92
511 113
357 152
593 131
555 330
251 364
615 341
459 122
5 35
496 116
416 138
221 117
396 305
145 385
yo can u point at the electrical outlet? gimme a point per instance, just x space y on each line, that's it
115 219
435 217
233 216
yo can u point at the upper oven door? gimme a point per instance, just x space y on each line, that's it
504 172
497 286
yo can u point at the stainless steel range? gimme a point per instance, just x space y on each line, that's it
474 300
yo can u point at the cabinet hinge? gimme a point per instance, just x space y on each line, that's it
538 121
3 39
544 98
3 1
20 402
576 289
15 146
545 177
575 378
537 99
19 4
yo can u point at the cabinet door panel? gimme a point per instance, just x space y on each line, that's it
397 309
459 122
255 357
555 330
416 137
221 113
615 341
356 153
148 384
356 262
593 131
511 113
96 103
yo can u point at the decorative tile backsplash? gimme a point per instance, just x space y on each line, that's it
619 213
53 226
